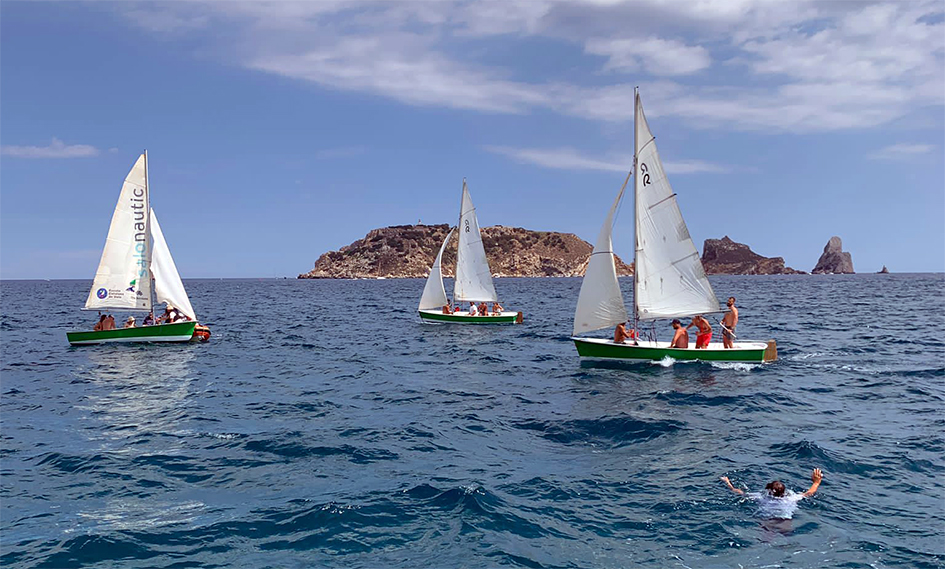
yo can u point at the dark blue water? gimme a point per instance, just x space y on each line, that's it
324 425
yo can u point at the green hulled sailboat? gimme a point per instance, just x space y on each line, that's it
473 282
136 267
669 280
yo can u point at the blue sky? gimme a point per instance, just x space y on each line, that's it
279 131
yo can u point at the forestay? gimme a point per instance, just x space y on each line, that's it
434 295
473 277
167 284
600 302
122 280
669 278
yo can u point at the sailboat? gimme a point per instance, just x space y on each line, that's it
473 282
669 280
137 266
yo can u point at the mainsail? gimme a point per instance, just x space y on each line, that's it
122 280
167 284
600 302
669 280
434 295
473 277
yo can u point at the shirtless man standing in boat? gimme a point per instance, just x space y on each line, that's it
729 321
681 337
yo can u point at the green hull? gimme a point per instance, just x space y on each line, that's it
757 352
176 332
461 318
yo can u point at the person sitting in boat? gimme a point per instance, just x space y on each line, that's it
457 308
100 325
620 334
130 323
705 331
729 321
172 315
681 337
776 502
149 319
472 308
447 309
109 323
497 308
483 308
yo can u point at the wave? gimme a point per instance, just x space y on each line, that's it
613 431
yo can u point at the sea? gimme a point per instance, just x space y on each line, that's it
324 425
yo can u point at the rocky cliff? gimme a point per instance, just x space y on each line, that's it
407 251
726 257
834 259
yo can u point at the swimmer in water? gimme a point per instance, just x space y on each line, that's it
777 502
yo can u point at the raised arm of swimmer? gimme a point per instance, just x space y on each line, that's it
730 487
815 479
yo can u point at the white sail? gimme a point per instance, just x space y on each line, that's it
600 302
122 280
167 284
434 295
669 278
473 277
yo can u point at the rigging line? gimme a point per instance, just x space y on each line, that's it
647 143
620 198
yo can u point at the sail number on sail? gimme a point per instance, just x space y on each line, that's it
646 175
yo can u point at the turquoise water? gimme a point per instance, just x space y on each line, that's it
324 425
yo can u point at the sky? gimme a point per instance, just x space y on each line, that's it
278 131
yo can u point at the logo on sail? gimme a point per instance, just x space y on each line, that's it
131 288
101 293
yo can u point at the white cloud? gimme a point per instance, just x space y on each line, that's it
804 66
56 149
901 151
657 56
571 159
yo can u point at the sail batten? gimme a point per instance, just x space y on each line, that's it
122 280
473 277
434 293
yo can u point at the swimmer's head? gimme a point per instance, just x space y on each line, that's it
775 488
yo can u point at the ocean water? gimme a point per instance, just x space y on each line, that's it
324 425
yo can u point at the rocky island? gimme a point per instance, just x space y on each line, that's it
726 257
834 259
407 251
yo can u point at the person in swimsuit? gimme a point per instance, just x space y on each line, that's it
130 323
496 308
109 323
100 325
446 309
729 321
705 331
483 309
776 502
681 337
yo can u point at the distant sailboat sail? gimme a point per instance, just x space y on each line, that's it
434 294
473 277
122 280
167 284
600 302
668 274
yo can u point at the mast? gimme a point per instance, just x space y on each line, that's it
459 229
636 199
147 221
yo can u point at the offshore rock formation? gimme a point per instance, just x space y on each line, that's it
407 251
726 257
834 259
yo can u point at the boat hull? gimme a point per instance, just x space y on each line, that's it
176 332
757 352
465 318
